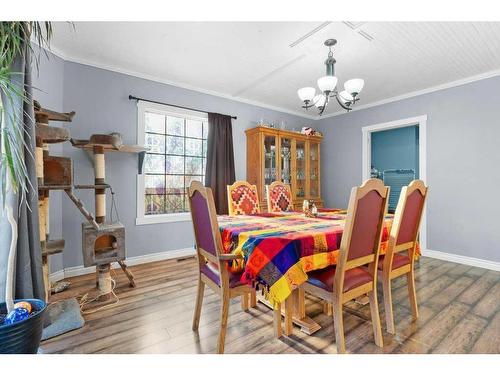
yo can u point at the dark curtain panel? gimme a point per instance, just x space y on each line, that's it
28 271
220 159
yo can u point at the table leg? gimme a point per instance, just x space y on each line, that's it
277 321
306 324
299 317
300 304
289 312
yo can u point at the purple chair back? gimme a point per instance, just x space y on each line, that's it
200 201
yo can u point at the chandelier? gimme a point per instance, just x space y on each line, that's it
327 86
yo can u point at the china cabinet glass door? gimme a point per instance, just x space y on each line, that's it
314 170
300 170
270 172
286 160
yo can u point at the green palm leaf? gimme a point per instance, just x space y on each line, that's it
15 41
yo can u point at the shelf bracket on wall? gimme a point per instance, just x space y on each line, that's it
141 155
110 143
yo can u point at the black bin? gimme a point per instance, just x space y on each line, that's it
23 337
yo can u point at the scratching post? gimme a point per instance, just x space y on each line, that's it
39 160
104 281
100 194
103 271
53 173
42 229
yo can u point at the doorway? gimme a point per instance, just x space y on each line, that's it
395 152
394 159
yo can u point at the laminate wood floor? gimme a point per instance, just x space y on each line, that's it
459 313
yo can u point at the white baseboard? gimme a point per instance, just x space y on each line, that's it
187 252
476 262
56 276
155 257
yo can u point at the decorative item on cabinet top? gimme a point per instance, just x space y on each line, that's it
287 156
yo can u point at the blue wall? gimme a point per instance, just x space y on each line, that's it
395 149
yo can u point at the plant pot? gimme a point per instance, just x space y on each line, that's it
23 337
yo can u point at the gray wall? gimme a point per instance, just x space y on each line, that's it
463 159
100 99
48 90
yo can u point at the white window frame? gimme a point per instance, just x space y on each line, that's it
142 108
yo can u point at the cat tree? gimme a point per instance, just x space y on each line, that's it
53 173
103 241
104 244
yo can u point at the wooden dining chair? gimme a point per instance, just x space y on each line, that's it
242 199
213 267
279 197
400 255
355 274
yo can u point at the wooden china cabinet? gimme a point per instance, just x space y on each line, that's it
283 155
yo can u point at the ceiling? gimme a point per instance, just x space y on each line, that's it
266 62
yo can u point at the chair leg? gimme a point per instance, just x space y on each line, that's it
277 321
198 304
377 330
410 277
389 316
338 323
244 302
253 299
223 323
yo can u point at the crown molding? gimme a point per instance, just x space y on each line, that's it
444 86
157 79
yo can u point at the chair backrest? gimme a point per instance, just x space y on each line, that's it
279 197
204 217
242 199
406 223
363 228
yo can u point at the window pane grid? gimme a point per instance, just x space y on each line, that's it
183 158
176 135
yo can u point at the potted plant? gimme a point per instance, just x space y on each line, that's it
21 328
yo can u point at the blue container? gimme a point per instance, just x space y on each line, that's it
23 337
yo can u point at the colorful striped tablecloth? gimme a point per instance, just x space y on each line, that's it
278 250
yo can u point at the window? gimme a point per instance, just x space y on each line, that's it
177 142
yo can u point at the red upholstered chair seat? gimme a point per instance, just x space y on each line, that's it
353 278
398 260
212 272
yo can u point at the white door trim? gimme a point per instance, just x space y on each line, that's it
421 121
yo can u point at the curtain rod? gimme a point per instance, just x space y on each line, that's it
131 97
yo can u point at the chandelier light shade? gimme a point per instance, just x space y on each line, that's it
328 87
345 96
327 83
306 93
354 86
320 100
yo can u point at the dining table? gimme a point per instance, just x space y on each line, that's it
279 249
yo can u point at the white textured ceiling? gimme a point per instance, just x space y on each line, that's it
266 62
